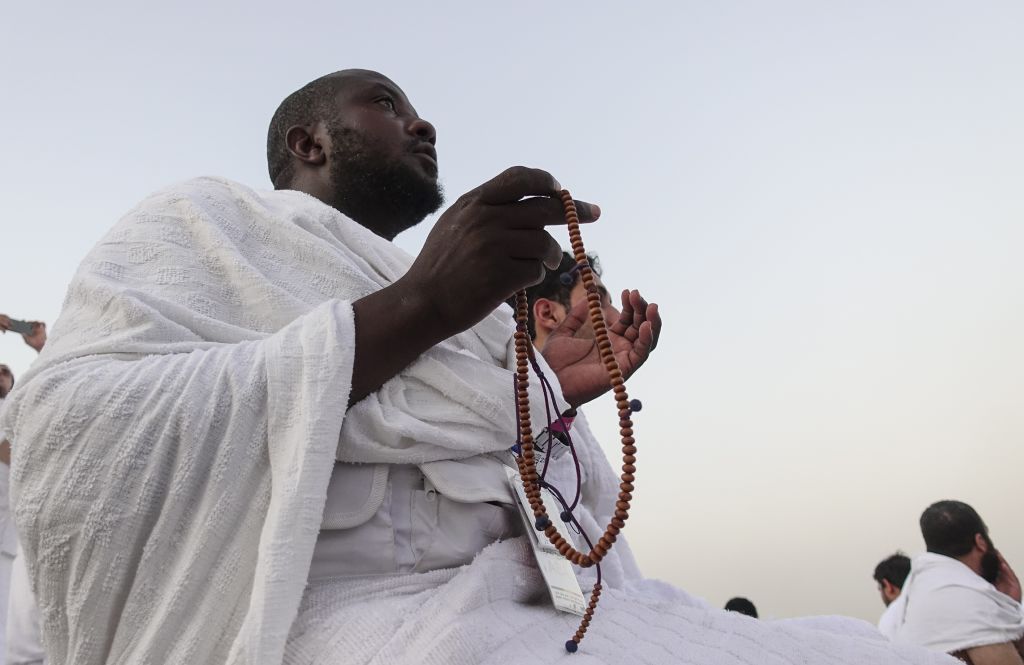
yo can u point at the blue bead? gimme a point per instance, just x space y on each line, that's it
635 405
542 523
566 516
571 646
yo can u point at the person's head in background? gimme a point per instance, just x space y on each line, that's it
890 574
742 606
954 529
6 380
553 297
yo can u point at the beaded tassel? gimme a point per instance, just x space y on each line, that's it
526 461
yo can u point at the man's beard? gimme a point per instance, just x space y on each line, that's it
990 563
387 197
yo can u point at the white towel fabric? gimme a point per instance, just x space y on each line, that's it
888 622
8 546
24 646
173 443
948 607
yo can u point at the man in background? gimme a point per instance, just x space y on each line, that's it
16 613
6 380
890 575
742 606
961 596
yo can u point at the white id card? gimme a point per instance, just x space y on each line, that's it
556 569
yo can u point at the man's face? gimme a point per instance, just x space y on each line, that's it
6 380
888 592
383 161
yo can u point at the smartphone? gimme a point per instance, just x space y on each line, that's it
21 327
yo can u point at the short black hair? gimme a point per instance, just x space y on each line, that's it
949 528
552 287
741 605
894 569
311 103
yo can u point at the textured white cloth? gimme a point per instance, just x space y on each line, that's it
8 546
496 612
24 646
948 607
173 446
888 622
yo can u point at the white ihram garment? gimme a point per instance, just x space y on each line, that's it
174 443
887 623
24 646
948 607
8 547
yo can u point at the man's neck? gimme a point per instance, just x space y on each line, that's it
324 193
972 560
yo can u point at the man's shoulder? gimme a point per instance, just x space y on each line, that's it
200 187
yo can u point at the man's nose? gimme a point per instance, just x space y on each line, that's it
423 130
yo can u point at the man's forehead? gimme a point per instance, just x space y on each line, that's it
363 79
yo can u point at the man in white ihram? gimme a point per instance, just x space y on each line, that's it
261 433
961 597
19 621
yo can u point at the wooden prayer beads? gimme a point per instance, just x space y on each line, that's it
526 461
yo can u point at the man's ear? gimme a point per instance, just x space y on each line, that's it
547 314
981 543
306 145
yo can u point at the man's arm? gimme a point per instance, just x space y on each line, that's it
995 654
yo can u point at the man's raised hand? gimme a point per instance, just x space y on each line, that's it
37 338
489 244
484 248
576 361
1007 582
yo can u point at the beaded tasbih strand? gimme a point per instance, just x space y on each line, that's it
532 481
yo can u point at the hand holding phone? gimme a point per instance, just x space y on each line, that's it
34 332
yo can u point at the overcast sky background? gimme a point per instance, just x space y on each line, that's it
824 197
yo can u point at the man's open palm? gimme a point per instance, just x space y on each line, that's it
575 360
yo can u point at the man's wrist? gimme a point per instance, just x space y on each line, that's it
417 308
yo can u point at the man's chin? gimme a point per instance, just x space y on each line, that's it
427 165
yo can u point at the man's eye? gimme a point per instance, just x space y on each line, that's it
387 103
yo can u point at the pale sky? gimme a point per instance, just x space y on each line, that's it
824 197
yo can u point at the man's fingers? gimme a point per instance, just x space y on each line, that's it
654 318
545 211
540 211
530 244
515 183
554 256
574 320
520 182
